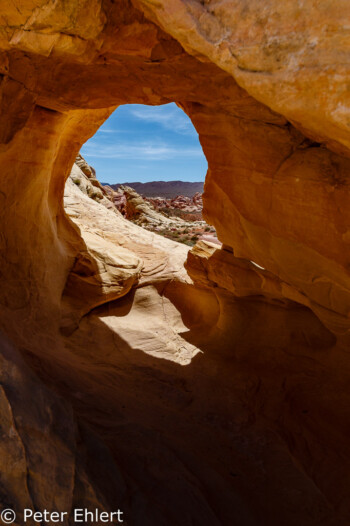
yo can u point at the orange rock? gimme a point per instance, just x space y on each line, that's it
227 392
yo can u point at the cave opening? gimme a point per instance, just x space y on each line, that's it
149 163
111 317
254 429
142 143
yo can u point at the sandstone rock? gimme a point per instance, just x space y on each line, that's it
156 258
165 322
146 211
179 219
243 126
223 397
79 178
138 209
44 452
101 272
87 170
191 207
279 53
84 176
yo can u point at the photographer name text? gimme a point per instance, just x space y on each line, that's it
79 516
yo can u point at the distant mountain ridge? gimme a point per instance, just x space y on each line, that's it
167 189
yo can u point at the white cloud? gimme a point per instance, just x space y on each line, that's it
169 116
144 150
106 130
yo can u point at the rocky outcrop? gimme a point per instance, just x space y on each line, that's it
139 210
221 393
45 453
169 339
279 53
179 219
144 209
188 205
84 176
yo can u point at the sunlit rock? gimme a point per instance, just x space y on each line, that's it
221 392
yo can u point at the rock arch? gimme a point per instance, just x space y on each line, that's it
272 124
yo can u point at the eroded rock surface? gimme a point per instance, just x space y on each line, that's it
186 207
45 454
179 219
222 393
170 338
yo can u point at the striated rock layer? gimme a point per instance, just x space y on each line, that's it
221 391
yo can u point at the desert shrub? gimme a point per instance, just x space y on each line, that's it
188 242
207 229
95 195
76 180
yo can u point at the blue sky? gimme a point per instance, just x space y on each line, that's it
146 143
